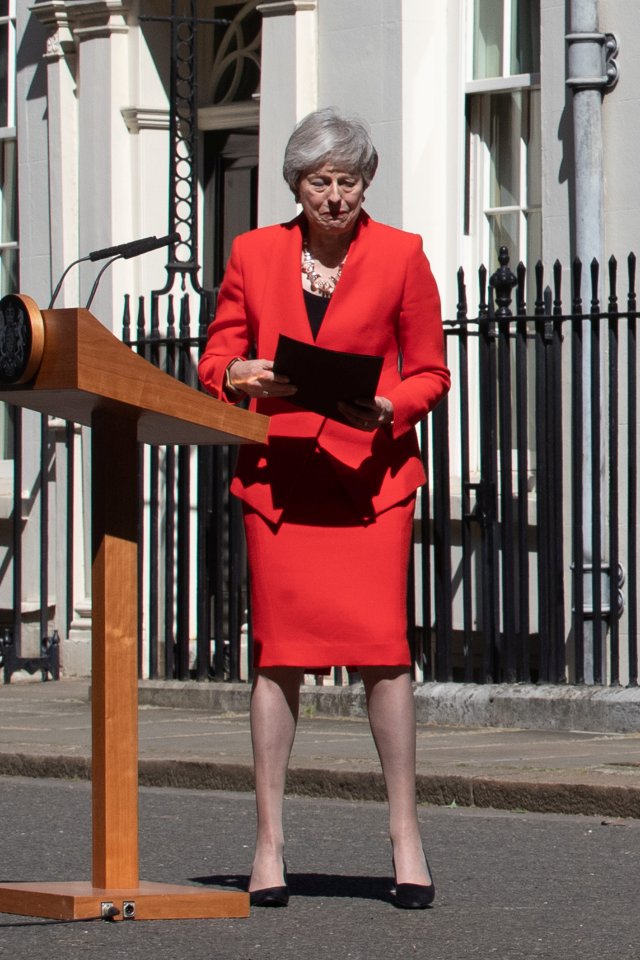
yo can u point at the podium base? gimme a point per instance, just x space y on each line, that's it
148 901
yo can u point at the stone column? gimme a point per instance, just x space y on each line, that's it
62 123
104 183
90 207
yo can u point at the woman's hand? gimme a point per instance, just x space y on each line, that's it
367 414
256 378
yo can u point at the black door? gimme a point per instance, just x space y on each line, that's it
230 171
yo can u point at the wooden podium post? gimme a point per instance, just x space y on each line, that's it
114 655
87 375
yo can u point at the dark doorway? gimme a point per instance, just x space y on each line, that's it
230 173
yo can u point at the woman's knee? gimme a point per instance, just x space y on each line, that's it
285 677
397 675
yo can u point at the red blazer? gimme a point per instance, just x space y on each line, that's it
386 303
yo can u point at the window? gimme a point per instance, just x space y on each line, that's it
8 194
503 189
506 38
8 151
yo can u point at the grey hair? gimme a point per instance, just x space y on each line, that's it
326 135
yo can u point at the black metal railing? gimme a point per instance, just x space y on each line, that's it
193 601
524 567
531 543
510 575
35 624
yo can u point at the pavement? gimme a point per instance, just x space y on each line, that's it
46 732
511 883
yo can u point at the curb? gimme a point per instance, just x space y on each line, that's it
438 790
522 706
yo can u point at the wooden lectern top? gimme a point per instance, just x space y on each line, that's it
85 368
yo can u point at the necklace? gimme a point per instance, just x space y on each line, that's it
325 286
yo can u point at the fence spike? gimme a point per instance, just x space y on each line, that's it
155 315
482 282
503 281
631 266
521 299
461 307
576 276
171 319
126 319
595 279
540 292
613 284
141 318
185 316
557 286
204 314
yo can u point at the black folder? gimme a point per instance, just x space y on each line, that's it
324 377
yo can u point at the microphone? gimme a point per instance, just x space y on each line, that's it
125 251
122 251
135 247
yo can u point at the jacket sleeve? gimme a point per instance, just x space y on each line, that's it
229 336
425 376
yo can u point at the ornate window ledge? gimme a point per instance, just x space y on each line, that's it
282 8
145 118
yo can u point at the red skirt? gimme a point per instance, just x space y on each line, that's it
327 589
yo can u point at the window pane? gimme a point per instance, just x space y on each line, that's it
504 229
7 414
504 149
9 271
8 204
487 39
525 36
532 137
4 75
234 72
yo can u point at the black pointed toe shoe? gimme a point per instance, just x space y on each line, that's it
414 896
271 896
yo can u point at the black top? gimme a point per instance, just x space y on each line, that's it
316 309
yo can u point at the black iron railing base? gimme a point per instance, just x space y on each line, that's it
48 663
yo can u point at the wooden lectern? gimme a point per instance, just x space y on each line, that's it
67 364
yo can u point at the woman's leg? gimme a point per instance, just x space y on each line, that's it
274 714
392 718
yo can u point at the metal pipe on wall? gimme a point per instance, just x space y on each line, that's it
591 70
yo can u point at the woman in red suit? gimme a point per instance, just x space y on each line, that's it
328 505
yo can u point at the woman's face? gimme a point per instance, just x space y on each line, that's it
331 199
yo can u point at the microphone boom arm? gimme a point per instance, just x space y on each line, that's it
61 280
125 251
94 288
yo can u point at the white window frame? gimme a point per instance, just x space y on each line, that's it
478 243
478 209
10 21
481 210
8 132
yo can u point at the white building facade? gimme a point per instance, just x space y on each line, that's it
468 104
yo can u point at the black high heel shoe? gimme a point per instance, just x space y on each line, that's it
414 896
271 896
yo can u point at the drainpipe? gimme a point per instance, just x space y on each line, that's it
592 69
